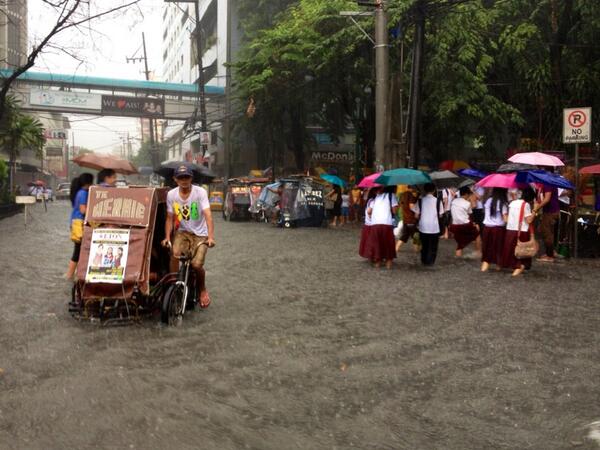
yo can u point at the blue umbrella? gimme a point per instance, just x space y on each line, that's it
543 177
333 179
403 176
472 173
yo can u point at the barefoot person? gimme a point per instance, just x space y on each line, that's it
463 228
188 213
520 216
496 210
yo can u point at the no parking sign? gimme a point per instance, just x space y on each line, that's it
577 125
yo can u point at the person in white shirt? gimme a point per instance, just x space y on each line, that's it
448 195
428 211
190 218
496 209
463 229
381 234
363 249
520 215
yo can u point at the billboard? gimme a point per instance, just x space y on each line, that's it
64 99
118 105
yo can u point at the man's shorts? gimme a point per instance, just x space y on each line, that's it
186 242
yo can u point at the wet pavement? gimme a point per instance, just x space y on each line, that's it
304 347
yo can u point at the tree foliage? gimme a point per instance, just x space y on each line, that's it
494 72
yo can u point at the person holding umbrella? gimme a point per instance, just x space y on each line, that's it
550 207
381 234
463 229
496 210
189 215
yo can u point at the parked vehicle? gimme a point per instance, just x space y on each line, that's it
63 191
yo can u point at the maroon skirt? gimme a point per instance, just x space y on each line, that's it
464 234
508 260
492 244
381 243
364 240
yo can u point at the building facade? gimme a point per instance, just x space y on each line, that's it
13 33
180 65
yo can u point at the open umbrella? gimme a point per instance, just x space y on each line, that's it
543 177
369 181
201 174
472 173
403 176
453 164
445 178
500 180
99 162
515 167
595 169
537 159
333 179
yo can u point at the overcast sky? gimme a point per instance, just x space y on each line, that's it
103 50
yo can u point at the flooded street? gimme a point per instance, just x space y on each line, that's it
304 347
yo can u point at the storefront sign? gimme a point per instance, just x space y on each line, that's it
63 99
54 151
132 106
108 256
55 134
340 157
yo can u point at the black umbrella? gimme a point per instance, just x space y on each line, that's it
515 167
201 174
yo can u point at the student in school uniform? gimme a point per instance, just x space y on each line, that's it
409 221
520 214
381 234
463 229
363 248
496 209
428 211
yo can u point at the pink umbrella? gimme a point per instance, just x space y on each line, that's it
536 159
591 169
369 182
500 180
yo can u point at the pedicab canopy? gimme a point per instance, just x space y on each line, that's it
117 243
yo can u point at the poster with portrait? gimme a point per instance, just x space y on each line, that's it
108 256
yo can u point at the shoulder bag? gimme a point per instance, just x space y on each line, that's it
529 249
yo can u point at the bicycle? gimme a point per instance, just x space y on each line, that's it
182 294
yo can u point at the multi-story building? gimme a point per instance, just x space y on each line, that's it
13 33
180 65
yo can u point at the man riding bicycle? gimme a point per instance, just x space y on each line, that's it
188 212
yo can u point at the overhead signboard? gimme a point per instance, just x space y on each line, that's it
64 99
577 125
55 134
117 105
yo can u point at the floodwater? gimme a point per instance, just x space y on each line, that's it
304 347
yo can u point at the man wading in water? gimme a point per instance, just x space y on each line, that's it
188 212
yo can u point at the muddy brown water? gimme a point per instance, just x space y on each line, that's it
304 347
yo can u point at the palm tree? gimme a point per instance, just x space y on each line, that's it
17 132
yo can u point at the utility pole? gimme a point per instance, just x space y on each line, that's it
227 123
415 99
381 87
153 149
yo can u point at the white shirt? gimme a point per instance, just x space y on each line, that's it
514 211
189 212
368 221
563 196
428 219
345 201
498 219
461 209
447 197
382 209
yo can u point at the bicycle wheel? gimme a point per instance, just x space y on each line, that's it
172 305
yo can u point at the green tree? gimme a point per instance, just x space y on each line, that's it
18 132
144 155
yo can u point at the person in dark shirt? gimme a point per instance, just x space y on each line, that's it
550 207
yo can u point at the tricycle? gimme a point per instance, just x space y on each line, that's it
123 274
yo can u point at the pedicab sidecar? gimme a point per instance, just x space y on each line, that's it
123 271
